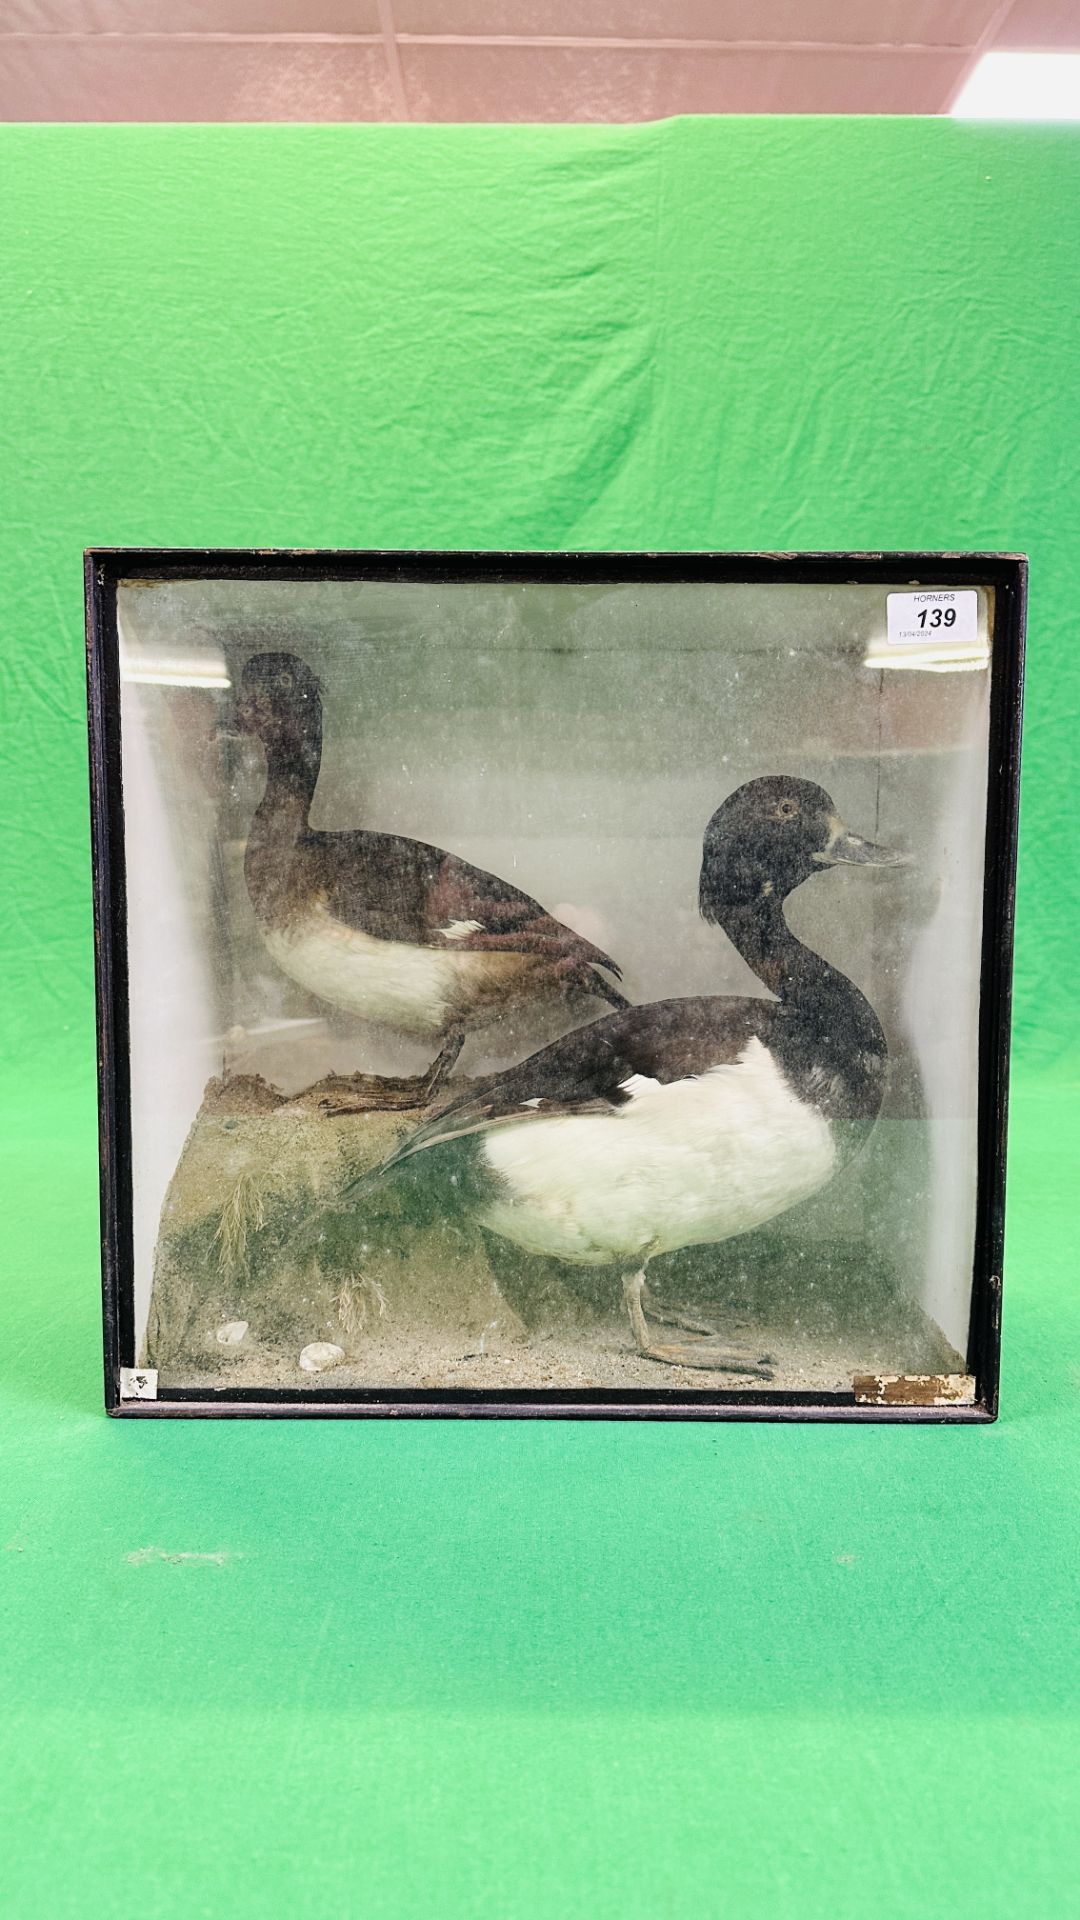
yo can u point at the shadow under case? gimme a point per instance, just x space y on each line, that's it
554 983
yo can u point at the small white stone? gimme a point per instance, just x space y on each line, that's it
320 1355
231 1332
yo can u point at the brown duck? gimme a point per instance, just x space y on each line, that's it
393 929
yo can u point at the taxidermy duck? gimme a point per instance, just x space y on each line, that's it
687 1121
392 929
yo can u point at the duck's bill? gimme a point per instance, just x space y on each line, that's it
847 849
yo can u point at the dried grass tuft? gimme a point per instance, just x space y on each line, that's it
242 1215
358 1301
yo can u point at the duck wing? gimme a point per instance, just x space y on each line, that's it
598 1068
399 889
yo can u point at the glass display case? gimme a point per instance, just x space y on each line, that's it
554 984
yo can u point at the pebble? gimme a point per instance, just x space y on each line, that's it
231 1332
321 1355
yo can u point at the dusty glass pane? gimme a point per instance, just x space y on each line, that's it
573 742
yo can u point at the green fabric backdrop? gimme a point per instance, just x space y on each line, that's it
494 1669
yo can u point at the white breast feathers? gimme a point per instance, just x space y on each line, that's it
694 1161
414 988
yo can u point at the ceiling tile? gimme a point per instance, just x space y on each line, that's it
105 79
190 16
1041 23
943 23
483 83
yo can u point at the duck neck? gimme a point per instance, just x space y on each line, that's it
758 929
280 824
828 1039
292 769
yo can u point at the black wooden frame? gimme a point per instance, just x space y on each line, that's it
1006 574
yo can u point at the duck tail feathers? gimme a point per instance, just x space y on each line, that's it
368 1181
453 1123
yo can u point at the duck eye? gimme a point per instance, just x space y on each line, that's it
787 810
284 682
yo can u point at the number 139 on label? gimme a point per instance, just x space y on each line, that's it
942 614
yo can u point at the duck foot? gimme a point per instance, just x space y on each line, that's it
669 1316
382 1093
374 1093
705 1355
709 1358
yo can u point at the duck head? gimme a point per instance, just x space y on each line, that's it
279 701
771 835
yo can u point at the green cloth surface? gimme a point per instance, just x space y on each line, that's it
515 1669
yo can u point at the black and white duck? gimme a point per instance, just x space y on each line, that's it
687 1121
397 931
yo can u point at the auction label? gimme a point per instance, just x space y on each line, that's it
944 615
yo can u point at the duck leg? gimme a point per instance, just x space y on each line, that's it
702 1354
443 1064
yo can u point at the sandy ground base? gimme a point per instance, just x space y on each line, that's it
259 1233
605 1358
